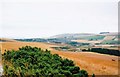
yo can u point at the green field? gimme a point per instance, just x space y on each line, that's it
97 37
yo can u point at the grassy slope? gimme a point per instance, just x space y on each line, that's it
96 37
110 42
92 62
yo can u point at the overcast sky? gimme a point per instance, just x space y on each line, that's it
33 18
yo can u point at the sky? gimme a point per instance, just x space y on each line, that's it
45 18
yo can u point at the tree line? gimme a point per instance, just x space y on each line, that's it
104 51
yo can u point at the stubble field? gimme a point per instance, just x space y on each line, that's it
98 64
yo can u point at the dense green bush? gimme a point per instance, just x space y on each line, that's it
33 61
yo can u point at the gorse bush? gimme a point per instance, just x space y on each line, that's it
33 61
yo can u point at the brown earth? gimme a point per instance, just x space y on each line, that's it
98 64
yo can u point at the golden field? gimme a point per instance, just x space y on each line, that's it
98 64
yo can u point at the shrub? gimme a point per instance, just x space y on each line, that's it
34 61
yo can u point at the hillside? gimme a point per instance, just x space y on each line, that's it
7 40
102 38
72 35
83 35
102 64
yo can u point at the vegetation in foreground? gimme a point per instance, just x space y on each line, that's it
33 61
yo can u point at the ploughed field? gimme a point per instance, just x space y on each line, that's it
98 64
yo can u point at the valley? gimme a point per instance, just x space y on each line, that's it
98 64
76 49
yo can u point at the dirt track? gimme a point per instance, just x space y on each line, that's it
92 62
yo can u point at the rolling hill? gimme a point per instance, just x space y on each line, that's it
98 64
7 40
102 38
72 35
107 38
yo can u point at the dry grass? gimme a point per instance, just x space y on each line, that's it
87 41
92 62
109 38
115 47
8 40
